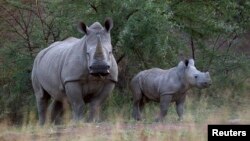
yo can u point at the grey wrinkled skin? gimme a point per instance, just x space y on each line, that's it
166 86
77 71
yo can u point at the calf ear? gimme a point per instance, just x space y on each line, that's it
82 28
186 62
182 65
207 73
191 62
108 24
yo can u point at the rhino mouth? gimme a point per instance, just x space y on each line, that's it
99 72
99 69
204 85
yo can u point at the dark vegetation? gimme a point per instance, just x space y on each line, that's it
151 33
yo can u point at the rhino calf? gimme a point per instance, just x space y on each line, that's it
166 86
78 71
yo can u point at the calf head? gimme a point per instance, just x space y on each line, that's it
98 47
195 77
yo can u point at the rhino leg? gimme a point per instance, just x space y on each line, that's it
165 101
138 106
94 111
56 112
142 103
136 110
180 107
74 94
42 98
137 102
96 102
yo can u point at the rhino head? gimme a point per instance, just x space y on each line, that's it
98 47
195 77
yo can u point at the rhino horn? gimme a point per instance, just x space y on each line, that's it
99 51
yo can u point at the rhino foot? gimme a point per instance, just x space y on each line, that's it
159 120
180 119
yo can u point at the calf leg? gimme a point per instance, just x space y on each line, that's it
137 101
164 104
138 106
74 94
98 100
143 101
180 107
136 110
56 112
42 98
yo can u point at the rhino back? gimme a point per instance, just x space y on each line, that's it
148 81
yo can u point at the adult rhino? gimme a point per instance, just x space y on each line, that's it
166 86
75 70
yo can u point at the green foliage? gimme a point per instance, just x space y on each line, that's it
148 33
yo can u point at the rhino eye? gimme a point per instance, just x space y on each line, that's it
196 76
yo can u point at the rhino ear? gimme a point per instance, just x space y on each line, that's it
191 62
181 65
108 24
207 73
82 28
186 62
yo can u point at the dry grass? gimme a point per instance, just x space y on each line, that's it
118 127
109 131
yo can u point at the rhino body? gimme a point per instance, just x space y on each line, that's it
166 86
77 71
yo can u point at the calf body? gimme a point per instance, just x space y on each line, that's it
166 86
